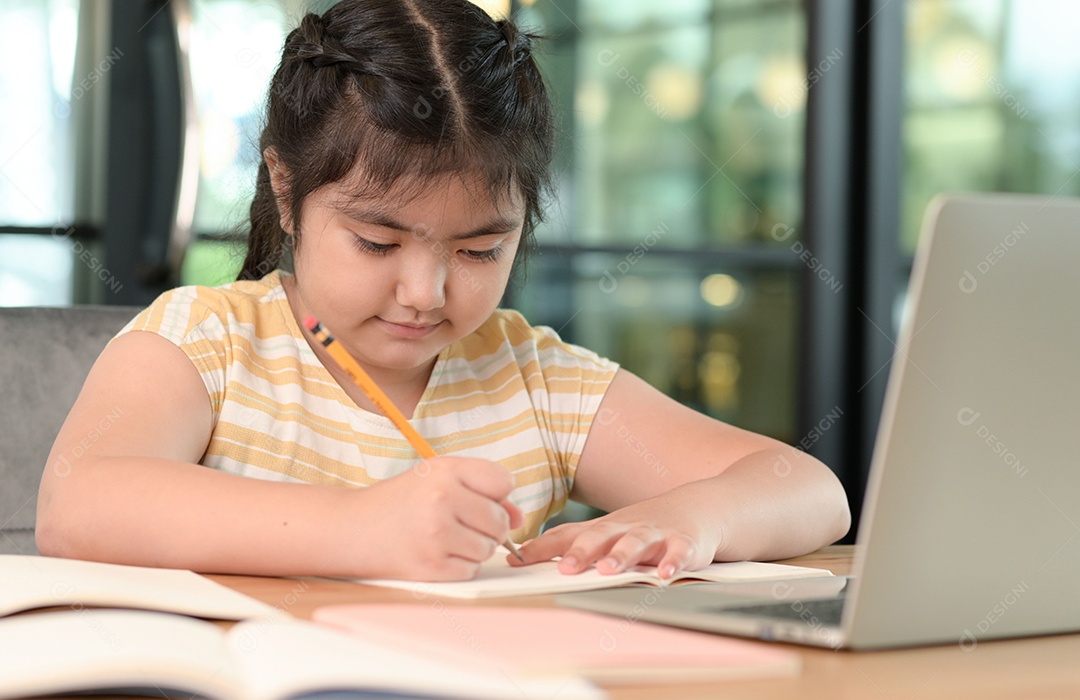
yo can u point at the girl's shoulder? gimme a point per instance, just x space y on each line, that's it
508 332
249 304
508 327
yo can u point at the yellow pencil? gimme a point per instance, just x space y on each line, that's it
351 367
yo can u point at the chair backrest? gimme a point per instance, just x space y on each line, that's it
45 354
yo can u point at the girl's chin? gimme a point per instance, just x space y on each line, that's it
405 355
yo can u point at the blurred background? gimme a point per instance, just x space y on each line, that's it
741 182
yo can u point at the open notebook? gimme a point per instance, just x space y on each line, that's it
497 578
29 582
156 654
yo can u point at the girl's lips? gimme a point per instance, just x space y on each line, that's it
403 330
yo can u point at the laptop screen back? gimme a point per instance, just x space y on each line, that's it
972 524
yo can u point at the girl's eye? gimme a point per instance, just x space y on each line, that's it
366 246
484 255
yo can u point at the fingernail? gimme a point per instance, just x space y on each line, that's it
570 561
667 571
613 564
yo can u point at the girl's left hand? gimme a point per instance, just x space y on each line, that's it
645 533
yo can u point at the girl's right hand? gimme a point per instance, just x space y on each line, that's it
438 521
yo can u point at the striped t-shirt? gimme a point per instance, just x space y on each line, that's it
508 392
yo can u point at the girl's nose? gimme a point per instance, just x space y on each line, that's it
422 282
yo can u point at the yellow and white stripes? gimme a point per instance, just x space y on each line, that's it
509 392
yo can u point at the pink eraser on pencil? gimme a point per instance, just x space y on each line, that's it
311 322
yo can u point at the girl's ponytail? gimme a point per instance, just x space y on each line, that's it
267 240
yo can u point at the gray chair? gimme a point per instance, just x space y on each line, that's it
45 354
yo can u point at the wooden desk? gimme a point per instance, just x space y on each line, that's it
1042 667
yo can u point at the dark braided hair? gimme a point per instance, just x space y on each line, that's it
413 90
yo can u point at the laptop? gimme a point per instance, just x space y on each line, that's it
971 528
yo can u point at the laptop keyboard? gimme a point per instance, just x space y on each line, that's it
813 612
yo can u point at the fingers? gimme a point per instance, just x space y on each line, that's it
639 544
553 543
589 546
471 546
613 547
679 555
442 519
579 545
474 491
491 519
489 479
517 518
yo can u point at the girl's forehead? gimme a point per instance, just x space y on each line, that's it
470 192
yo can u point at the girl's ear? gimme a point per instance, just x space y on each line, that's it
279 183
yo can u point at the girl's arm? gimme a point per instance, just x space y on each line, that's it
683 490
123 484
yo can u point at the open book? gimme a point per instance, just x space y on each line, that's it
29 582
150 653
498 578
539 642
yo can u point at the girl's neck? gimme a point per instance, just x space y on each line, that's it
405 388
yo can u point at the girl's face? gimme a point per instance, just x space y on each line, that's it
397 279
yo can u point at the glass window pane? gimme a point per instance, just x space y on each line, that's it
756 118
684 130
35 270
626 15
37 59
720 341
235 47
991 98
696 127
639 155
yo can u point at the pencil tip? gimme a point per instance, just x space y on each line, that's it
514 550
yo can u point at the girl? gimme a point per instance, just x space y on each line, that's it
405 153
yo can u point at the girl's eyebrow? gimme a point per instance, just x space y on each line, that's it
384 219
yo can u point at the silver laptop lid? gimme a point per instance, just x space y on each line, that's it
971 529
